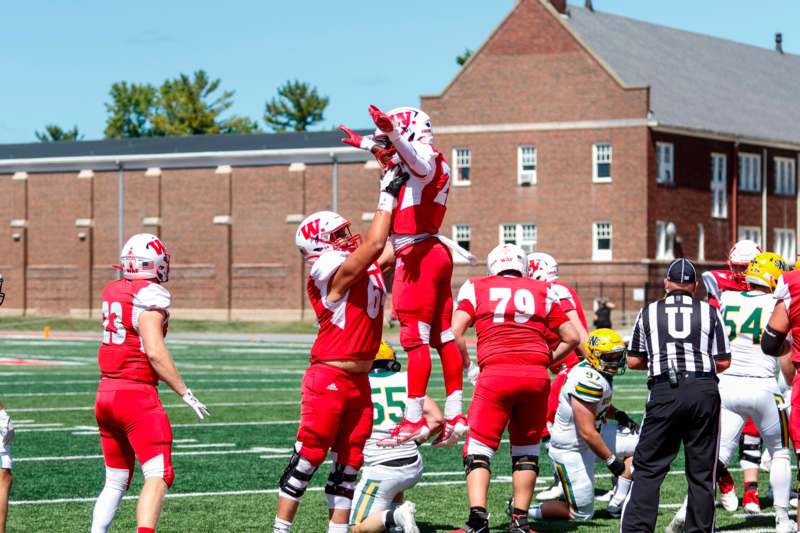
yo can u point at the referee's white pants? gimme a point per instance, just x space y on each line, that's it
380 485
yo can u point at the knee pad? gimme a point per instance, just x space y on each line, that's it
475 461
295 478
749 451
118 478
525 458
341 486
446 336
156 467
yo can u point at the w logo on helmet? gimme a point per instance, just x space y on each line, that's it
311 229
402 119
157 246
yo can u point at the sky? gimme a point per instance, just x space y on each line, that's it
58 59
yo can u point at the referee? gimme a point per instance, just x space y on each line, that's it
681 342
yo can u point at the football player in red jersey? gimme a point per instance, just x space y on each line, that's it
785 321
511 314
421 293
132 359
716 282
346 289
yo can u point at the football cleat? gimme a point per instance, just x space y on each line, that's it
677 525
605 497
553 493
750 501
452 430
784 524
405 431
728 498
614 510
405 518
519 524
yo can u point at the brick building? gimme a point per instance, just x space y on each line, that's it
611 143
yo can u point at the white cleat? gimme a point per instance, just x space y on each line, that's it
605 497
405 517
553 493
784 524
676 525
729 501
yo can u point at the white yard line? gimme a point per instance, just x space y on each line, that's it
254 450
200 380
167 405
198 425
208 445
92 392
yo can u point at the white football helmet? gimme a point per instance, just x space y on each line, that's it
542 266
740 256
144 256
412 123
323 231
507 257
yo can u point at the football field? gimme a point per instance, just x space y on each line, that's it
227 467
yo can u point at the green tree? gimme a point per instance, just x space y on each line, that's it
130 110
54 133
191 106
463 58
297 106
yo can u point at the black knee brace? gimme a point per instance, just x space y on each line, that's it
295 481
525 462
474 461
340 483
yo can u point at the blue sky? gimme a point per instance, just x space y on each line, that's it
59 59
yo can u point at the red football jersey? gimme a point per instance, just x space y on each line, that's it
788 291
350 329
121 354
422 202
570 301
511 317
553 340
719 281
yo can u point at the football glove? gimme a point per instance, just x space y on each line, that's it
7 432
199 408
381 119
625 421
615 466
472 372
355 140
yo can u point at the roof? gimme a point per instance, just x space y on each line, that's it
697 81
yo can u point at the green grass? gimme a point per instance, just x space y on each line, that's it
37 323
262 383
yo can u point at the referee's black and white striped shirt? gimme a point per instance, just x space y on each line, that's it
679 331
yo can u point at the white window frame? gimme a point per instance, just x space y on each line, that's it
601 155
528 244
752 233
458 159
526 177
719 187
665 163
597 253
785 180
701 243
665 240
749 172
459 232
785 244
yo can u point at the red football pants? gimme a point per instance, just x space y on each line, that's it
335 414
132 423
513 395
422 300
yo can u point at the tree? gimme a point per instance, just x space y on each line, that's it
189 106
296 107
130 110
54 133
463 58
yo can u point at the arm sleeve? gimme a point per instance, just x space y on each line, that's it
466 299
720 346
638 344
419 157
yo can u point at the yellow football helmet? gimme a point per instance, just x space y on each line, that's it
765 269
606 351
797 264
385 359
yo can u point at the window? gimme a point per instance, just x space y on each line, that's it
601 241
701 243
785 183
749 172
526 165
719 186
665 240
752 233
664 166
462 235
523 235
463 161
601 162
785 244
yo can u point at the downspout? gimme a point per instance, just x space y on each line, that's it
334 184
120 209
735 194
764 187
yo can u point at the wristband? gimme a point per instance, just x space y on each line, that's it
610 460
386 202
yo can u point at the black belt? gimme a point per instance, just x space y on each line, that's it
403 461
679 377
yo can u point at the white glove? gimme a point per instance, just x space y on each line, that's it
7 432
199 408
472 372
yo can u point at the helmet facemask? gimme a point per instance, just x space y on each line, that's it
613 362
384 151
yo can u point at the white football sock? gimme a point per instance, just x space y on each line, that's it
535 512
105 509
452 404
338 528
414 408
621 492
780 477
281 526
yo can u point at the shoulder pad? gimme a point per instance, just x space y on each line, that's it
152 296
327 264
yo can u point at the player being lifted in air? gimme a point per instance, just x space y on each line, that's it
388 472
511 314
581 434
133 358
346 289
421 296
717 282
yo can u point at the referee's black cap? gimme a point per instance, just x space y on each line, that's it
682 271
